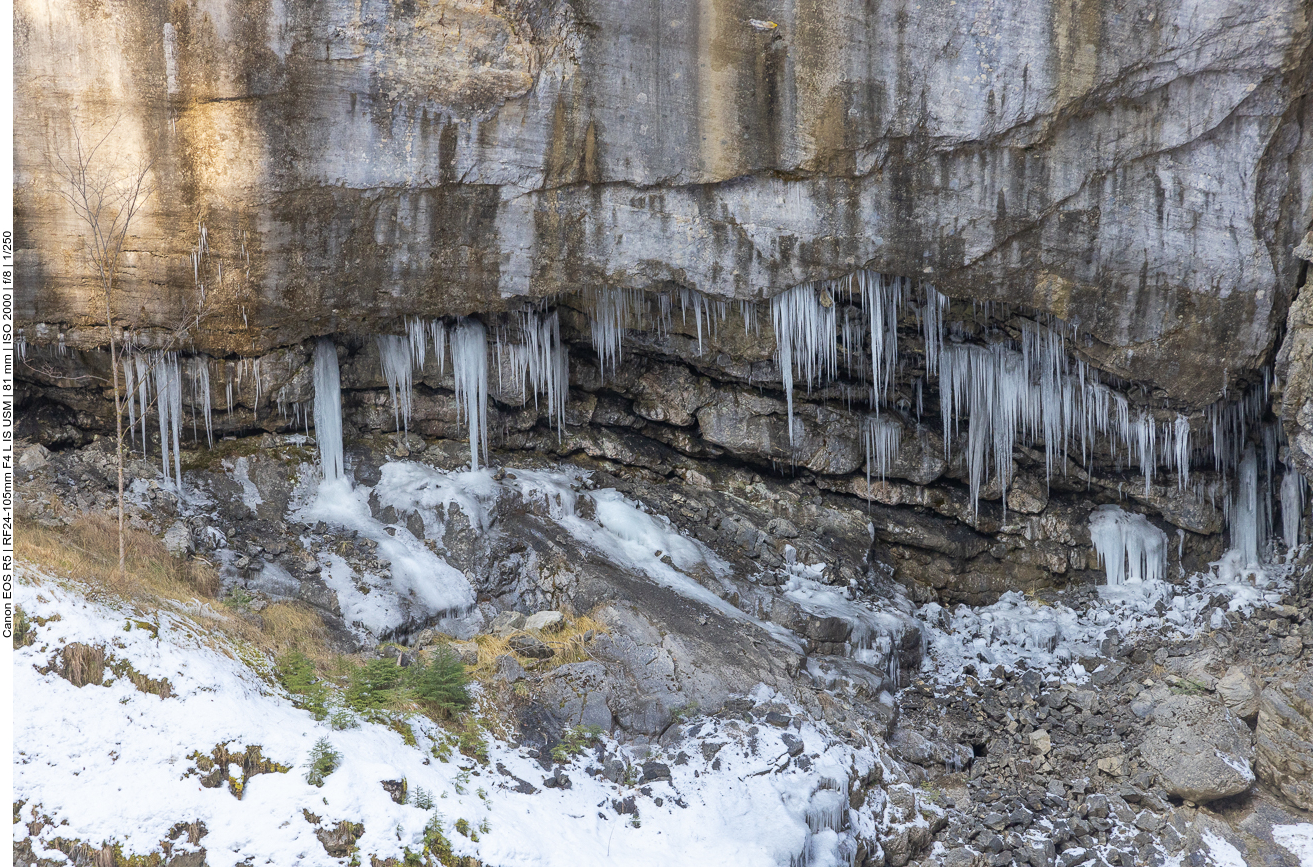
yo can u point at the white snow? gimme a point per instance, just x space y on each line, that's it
109 764
1222 852
1052 638
1298 839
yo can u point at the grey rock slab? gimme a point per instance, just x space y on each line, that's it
577 694
1240 691
508 670
545 621
1200 749
506 623
527 645
178 540
33 458
1285 740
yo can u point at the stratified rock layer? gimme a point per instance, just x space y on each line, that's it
1141 172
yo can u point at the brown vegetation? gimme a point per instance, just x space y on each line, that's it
87 550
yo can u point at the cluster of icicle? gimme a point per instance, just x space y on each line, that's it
1130 548
401 355
1005 392
143 371
614 310
157 380
539 364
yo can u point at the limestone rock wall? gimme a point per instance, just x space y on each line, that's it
1140 170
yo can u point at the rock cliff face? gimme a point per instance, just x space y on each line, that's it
1141 172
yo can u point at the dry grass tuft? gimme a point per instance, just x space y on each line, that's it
291 626
568 643
84 664
88 550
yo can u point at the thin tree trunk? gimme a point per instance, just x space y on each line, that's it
118 422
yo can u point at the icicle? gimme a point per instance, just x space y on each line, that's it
932 326
168 406
419 341
143 395
881 297
610 312
541 364
201 395
438 332
1244 511
1181 450
328 410
1131 549
469 356
883 438
1292 506
395 355
748 310
128 387
805 338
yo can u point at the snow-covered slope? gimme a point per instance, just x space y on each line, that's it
114 765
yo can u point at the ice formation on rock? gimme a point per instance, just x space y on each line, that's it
328 410
1131 549
1293 495
882 438
804 322
882 296
1245 510
201 396
141 371
469 362
611 310
704 307
168 399
541 363
395 354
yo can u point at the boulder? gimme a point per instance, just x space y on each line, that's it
33 458
545 621
178 541
506 623
508 670
1285 740
1200 748
466 651
527 645
1241 692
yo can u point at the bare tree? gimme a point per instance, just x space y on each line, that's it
106 201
